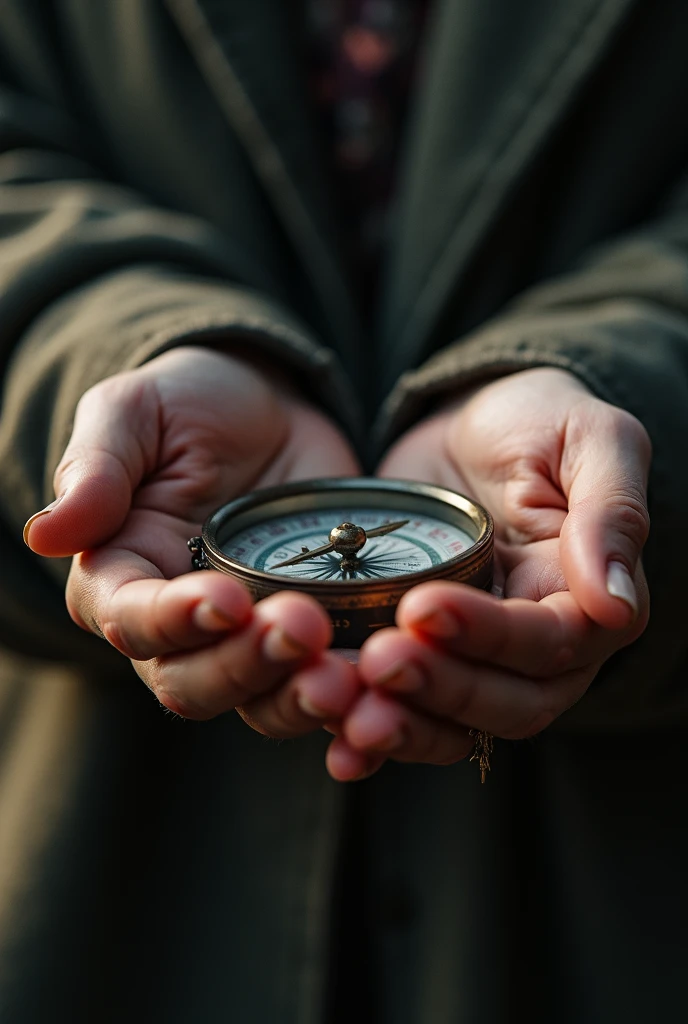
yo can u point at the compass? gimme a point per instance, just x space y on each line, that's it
355 544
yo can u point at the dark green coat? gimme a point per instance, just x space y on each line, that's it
160 183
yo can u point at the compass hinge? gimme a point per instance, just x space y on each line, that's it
199 559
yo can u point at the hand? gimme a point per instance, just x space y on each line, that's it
153 452
564 475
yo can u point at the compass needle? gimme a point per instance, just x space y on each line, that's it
305 556
380 531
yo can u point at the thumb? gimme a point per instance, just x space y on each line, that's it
607 525
112 445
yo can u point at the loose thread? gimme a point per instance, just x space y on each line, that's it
482 751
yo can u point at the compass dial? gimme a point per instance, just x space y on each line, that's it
356 545
421 543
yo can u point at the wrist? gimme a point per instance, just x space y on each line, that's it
541 377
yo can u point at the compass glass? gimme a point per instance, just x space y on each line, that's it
419 544
355 544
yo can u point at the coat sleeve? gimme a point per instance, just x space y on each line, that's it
93 280
618 321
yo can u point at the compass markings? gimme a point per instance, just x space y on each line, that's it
425 542
372 564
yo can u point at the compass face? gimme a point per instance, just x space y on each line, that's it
356 545
421 543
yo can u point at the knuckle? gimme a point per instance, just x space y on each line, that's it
630 516
622 510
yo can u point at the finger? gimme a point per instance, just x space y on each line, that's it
147 618
110 588
604 474
286 633
379 724
112 446
348 765
478 696
534 638
312 696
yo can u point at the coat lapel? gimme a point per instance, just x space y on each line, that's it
496 77
243 51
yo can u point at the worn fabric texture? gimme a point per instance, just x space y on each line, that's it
161 183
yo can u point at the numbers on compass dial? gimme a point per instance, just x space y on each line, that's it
423 542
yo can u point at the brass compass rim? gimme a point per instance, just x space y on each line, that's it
465 565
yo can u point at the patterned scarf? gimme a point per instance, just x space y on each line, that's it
362 63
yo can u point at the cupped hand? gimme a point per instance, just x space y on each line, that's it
564 475
153 452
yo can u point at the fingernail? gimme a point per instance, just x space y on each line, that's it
37 515
440 623
402 676
620 584
279 645
212 619
309 708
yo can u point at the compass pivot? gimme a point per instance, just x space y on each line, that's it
347 539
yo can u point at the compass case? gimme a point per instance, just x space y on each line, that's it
357 608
